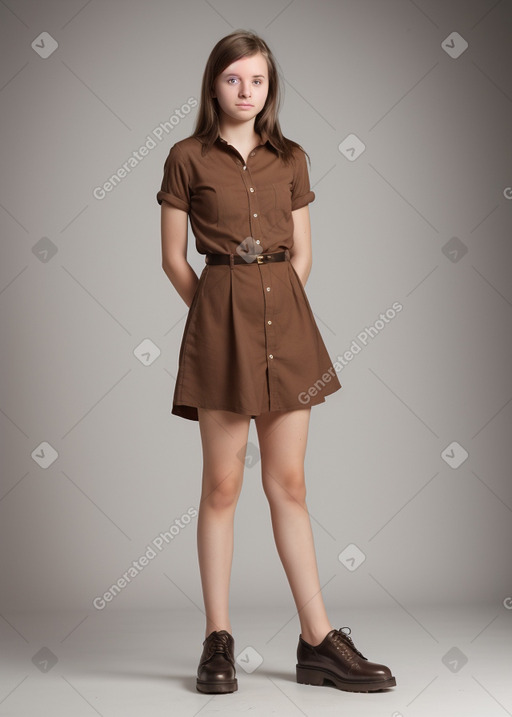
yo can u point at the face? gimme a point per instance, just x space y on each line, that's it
242 88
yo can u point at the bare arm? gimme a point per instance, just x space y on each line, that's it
300 253
174 224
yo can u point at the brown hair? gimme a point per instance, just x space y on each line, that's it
229 49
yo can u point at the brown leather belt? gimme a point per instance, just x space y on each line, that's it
246 259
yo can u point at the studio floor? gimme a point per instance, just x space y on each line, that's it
447 660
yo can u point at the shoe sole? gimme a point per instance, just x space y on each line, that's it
316 676
217 687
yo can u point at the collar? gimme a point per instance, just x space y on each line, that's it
265 139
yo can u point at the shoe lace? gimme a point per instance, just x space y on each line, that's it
344 637
219 642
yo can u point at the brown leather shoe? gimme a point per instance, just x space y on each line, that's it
337 660
216 672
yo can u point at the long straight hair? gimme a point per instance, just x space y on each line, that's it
229 49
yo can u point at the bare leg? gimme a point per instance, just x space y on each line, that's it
223 435
282 438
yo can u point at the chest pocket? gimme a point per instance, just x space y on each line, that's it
275 203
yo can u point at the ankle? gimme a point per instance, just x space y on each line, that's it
217 628
314 637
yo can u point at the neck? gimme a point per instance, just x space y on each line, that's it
237 132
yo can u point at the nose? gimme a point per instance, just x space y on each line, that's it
245 89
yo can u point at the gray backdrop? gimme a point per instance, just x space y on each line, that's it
408 466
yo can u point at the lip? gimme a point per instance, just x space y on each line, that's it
244 104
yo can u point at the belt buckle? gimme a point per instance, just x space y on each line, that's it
260 258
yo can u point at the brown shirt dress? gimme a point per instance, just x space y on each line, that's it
250 343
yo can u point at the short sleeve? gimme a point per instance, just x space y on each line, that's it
175 184
301 191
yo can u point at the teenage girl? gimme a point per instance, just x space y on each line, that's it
251 348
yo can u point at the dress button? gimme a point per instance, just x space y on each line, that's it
270 356
258 241
251 189
269 322
252 154
244 167
268 288
255 215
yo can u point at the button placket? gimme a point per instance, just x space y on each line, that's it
253 204
265 276
245 172
268 324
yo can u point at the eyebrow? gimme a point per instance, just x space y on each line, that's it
234 74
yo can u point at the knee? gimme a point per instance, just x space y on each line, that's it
285 486
221 493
